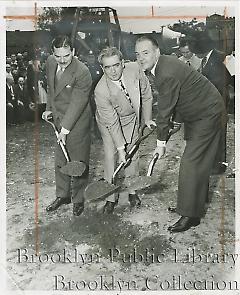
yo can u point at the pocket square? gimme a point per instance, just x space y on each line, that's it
68 86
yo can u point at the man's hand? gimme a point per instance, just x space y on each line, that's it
19 102
175 127
150 123
121 155
46 115
62 137
31 106
160 150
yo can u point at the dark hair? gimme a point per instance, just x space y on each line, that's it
108 52
148 38
202 43
62 41
183 42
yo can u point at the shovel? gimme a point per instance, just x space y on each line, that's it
72 168
101 189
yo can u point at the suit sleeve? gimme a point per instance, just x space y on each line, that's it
169 89
109 118
146 95
48 106
79 98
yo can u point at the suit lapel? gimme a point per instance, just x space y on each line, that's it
51 78
64 80
132 88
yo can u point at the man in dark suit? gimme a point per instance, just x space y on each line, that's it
213 67
15 107
201 108
20 91
69 83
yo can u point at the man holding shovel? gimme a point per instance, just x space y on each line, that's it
201 108
69 84
122 95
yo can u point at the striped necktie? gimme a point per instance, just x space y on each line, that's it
203 62
125 92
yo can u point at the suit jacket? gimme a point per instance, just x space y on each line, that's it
69 103
10 99
21 94
188 93
216 71
114 110
194 61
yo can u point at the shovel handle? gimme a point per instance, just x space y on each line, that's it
132 151
62 145
152 163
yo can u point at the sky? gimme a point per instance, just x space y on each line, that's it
132 18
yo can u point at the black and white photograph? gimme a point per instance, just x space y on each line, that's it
119 167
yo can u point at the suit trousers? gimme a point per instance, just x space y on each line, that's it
195 168
67 186
111 155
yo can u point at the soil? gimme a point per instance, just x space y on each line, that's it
129 250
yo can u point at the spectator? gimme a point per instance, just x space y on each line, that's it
15 106
188 57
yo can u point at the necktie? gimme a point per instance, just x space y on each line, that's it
125 92
203 62
151 79
188 63
59 74
12 93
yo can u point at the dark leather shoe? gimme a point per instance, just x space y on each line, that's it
219 169
172 209
109 207
134 201
78 208
57 203
184 223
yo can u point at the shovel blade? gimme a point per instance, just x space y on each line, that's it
74 168
141 182
99 190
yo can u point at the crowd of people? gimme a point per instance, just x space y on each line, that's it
26 87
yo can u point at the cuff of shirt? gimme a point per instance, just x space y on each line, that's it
176 123
121 148
64 131
161 143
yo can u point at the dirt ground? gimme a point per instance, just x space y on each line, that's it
125 251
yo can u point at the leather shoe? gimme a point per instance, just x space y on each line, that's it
134 201
172 209
219 169
184 223
57 203
78 208
109 207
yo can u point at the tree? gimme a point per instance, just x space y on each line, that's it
57 19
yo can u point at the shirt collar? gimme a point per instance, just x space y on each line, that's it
153 69
209 53
60 69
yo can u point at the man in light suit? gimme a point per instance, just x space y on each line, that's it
69 82
202 110
121 95
188 57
